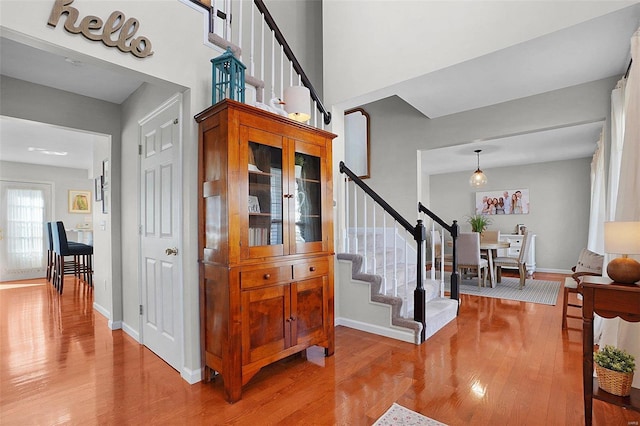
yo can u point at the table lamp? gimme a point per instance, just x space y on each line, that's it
623 238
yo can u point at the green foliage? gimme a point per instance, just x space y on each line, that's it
479 222
299 160
614 359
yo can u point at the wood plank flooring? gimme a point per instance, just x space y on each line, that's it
499 363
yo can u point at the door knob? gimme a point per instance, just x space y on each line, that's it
172 251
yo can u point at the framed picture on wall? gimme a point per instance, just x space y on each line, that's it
79 201
356 134
97 188
106 180
503 202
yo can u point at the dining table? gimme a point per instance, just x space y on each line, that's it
491 249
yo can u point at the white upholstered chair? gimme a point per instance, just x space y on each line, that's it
519 262
468 246
589 263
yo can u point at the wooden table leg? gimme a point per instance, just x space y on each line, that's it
491 271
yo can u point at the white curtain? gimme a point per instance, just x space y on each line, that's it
617 332
598 199
25 233
617 141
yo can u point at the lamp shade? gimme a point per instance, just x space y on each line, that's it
622 237
297 103
478 179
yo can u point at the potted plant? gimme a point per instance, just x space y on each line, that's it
614 368
479 222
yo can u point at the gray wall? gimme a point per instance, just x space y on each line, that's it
398 131
559 194
21 99
63 179
301 25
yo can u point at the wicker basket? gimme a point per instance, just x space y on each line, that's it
613 381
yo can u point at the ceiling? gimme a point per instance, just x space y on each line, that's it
590 51
38 66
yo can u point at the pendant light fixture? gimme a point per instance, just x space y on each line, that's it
478 178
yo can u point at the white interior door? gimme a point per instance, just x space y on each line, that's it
161 285
26 206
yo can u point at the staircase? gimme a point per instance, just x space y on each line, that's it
382 269
386 306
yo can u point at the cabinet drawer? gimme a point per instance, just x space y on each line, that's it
264 276
515 242
311 268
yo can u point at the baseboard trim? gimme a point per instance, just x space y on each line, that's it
131 332
191 376
398 334
102 311
115 325
554 271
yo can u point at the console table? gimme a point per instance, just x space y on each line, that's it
607 299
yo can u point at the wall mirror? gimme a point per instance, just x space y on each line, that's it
356 131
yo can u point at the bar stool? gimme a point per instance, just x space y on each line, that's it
81 266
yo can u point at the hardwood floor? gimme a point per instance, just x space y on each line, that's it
499 363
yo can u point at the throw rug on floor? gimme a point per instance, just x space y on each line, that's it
399 415
534 291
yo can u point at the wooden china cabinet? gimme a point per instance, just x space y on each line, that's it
265 240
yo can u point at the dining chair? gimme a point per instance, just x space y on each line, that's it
81 266
490 236
469 256
589 263
519 262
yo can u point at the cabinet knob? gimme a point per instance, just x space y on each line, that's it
288 320
312 269
267 276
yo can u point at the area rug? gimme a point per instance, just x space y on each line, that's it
534 291
399 415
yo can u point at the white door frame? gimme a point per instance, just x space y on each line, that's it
175 99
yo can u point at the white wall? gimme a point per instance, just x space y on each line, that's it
559 193
363 45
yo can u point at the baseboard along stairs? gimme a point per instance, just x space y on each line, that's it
363 305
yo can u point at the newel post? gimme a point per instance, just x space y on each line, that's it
455 278
419 304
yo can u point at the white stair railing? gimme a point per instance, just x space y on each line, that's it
231 25
374 243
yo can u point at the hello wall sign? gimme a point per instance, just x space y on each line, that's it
116 31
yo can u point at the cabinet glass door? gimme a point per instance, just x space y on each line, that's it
307 191
265 232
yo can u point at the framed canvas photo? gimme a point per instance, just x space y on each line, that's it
79 201
254 205
503 202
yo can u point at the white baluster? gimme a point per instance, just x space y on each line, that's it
273 64
384 253
240 28
395 258
355 218
374 259
227 32
262 60
405 299
253 51
364 225
281 73
442 262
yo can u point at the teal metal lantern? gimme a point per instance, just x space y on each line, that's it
228 78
